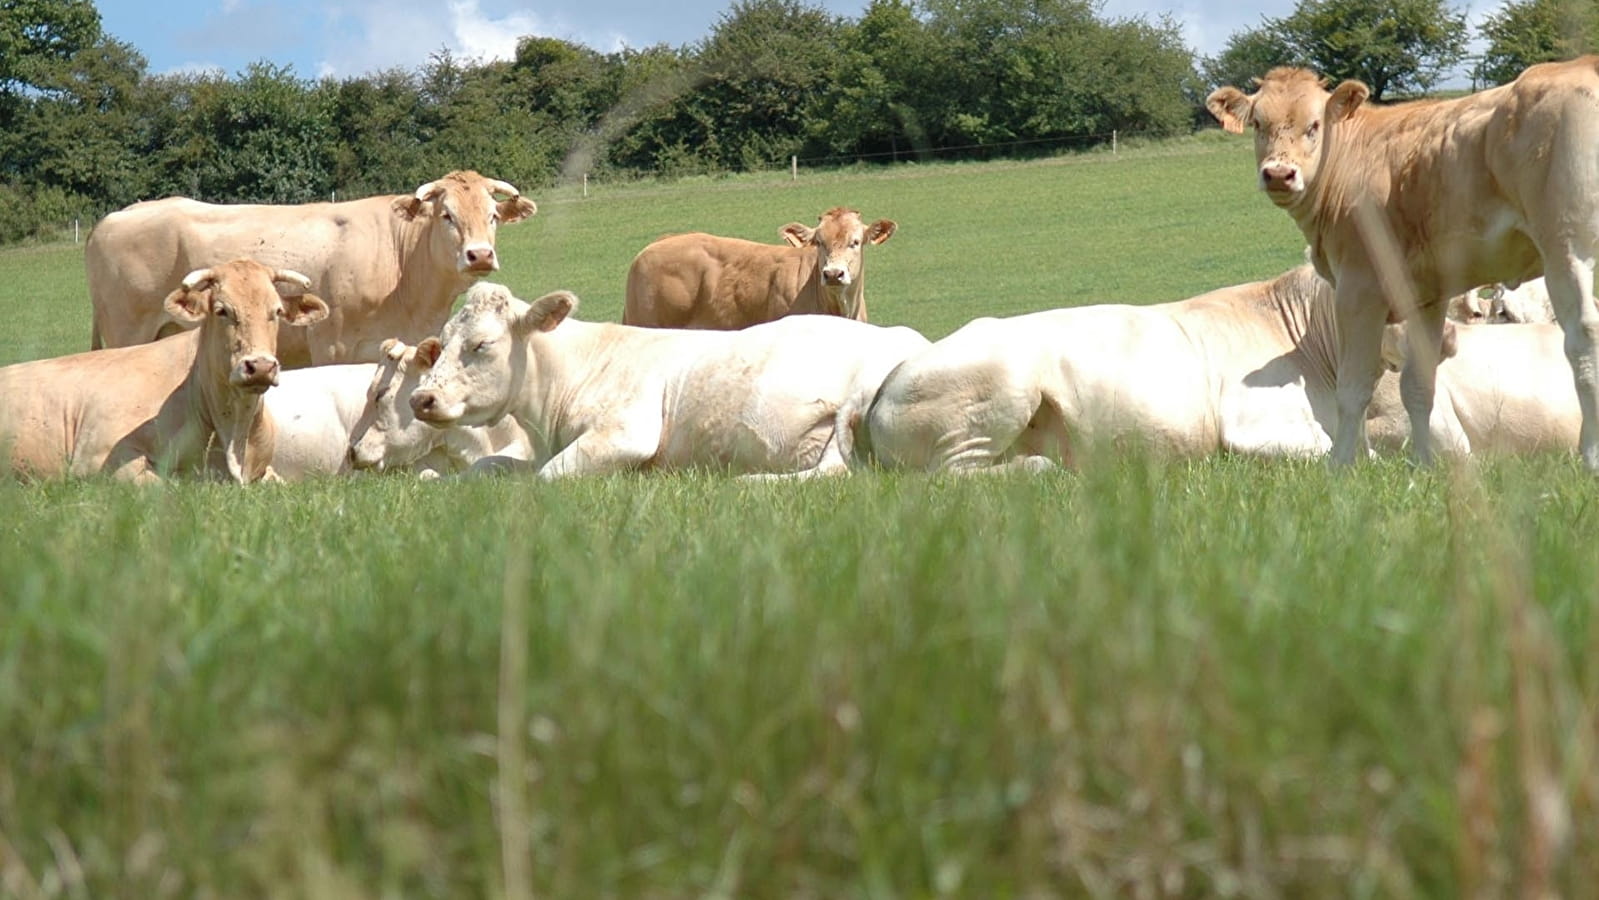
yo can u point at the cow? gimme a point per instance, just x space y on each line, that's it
779 398
1406 205
1501 388
142 411
387 435
1523 304
388 266
1245 369
702 280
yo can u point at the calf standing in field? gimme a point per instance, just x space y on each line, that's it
778 398
704 281
138 412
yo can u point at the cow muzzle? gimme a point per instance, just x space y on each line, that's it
1281 181
835 277
255 373
480 259
431 408
359 458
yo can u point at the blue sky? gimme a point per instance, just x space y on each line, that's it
346 38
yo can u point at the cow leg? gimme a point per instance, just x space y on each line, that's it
597 453
1361 312
1570 281
1418 381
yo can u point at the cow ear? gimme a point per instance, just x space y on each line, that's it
1451 342
547 312
515 209
392 348
192 300
1229 105
304 309
427 352
1345 99
881 230
407 208
795 234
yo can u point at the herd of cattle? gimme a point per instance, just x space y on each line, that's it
758 359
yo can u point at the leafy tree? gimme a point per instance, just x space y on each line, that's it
1248 55
36 34
1534 31
1394 46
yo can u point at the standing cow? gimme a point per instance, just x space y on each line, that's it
388 266
1406 205
138 412
704 281
778 398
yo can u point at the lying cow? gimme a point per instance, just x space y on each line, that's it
387 435
1501 388
1502 304
1406 205
137 412
595 398
388 266
705 281
1247 369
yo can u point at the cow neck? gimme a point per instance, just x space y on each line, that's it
429 291
1352 169
1304 306
238 418
557 366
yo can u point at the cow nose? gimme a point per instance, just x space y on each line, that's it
1277 174
833 276
480 258
423 402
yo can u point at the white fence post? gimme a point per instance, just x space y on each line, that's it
793 167
585 184
1113 142
74 231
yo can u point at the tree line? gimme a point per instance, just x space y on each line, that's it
85 128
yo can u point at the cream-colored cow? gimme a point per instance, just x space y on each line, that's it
388 266
777 398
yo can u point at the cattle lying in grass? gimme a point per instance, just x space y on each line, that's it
136 412
388 266
705 281
1406 205
777 398
1247 369
1501 388
388 435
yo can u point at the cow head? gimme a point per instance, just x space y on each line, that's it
1289 113
1396 345
238 306
477 365
461 215
840 239
387 434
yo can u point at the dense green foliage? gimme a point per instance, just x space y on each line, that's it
1402 47
85 128
1218 678
1534 31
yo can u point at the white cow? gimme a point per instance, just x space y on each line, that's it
1247 369
1501 388
776 398
386 435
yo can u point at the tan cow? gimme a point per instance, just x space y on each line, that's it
704 281
1406 205
139 412
388 266
1244 369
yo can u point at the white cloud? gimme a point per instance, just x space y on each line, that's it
479 37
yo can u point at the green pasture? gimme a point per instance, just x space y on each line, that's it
1229 677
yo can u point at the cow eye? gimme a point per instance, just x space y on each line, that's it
222 312
1310 133
481 347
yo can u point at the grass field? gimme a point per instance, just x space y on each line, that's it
1222 678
